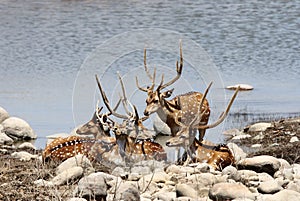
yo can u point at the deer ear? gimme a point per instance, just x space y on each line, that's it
168 93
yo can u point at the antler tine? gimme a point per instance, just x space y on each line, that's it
223 115
151 77
124 97
178 69
98 110
200 106
106 102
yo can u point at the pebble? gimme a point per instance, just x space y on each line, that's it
269 187
76 161
259 127
294 139
67 176
3 114
223 191
4 139
27 145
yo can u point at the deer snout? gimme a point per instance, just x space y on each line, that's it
146 113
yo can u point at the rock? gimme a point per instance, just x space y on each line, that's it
156 177
94 186
141 170
160 127
119 172
227 191
231 172
203 168
259 127
283 195
237 152
154 165
24 156
26 145
294 139
76 161
3 114
67 176
18 129
203 179
294 185
283 163
264 177
256 146
268 164
126 190
232 132
243 87
4 139
269 187
240 137
165 196
77 199
185 190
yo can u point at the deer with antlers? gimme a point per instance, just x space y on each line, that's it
183 106
218 156
133 138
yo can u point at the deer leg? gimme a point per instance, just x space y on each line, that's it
201 134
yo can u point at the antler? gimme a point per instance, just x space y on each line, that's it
106 102
178 70
152 77
223 115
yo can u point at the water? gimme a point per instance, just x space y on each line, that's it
43 45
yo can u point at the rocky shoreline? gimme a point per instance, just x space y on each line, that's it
267 168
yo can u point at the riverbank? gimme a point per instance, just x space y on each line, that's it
30 179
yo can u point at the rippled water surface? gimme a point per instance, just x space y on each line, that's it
43 44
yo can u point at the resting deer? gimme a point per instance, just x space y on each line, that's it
217 156
128 134
61 149
183 106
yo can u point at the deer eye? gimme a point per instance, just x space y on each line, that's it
182 137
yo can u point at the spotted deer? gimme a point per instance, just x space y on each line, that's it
183 106
218 156
134 139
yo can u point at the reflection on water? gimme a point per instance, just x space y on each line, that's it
43 45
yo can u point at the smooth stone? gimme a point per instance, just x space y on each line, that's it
94 186
241 137
24 156
126 190
4 139
232 132
75 161
77 199
269 187
26 145
223 191
263 163
283 195
3 114
67 175
230 171
185 190
203 179
119 172
243 87
265 177
237 152
262 126
294 185
165 196
156 177
256 146
294 139
18 129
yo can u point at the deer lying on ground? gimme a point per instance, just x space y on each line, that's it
128 134
184 107
217 156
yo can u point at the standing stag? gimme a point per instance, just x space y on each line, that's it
185 106
133 138
217 156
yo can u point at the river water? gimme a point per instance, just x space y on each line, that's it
45 46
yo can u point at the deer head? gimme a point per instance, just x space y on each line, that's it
157 98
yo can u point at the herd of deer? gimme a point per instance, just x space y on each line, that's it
132 141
